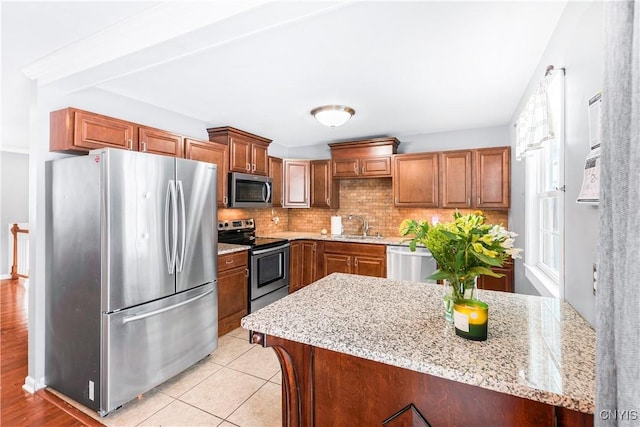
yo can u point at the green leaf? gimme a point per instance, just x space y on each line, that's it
439 275
450 235
476 271
487 260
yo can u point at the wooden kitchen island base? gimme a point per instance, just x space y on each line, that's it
327 388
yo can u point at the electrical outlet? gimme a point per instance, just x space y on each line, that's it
595 279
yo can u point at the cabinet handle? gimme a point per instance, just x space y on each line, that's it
348 262
397 201
130 145
478 201
144 146
469 201
363 169
229 261
253 167
248 167
315 246
225 200
355 168
328 202
355 262
246 272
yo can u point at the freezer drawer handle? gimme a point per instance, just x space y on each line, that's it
162 310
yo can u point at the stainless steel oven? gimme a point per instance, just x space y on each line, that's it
269 275
268 261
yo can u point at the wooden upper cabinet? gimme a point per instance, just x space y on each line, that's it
324 189
158 141
492 177
275 173
369 158
211 152
247 152
455 179
80 131
415 180
296 183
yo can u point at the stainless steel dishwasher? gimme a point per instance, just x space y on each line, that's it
403 264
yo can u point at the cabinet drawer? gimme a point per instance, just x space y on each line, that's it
232 260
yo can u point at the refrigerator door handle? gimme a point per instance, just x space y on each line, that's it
183 226
165 309
170 207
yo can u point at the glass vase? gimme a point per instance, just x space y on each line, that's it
456 289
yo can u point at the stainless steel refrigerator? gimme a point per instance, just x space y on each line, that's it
131 283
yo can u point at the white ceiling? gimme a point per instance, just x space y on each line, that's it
407 68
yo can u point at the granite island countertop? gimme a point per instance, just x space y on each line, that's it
538 348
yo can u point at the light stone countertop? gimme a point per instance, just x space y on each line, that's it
537 348
227 248
299 235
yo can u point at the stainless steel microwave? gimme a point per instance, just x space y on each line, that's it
249 191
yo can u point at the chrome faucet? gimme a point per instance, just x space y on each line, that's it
365 224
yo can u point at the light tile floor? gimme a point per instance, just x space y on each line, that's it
239 384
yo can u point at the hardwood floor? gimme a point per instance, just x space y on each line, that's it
17 407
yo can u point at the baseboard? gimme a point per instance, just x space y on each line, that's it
31 385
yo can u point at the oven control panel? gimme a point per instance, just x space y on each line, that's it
236 224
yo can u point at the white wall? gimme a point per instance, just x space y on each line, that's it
14 197
577 44
463 139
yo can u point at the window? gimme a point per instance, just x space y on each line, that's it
545 203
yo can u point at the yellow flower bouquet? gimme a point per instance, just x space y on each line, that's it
464 249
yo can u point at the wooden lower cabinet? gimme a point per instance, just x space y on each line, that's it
233 288
327 388
355 258
504 283
303 263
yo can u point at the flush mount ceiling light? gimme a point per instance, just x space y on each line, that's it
333 115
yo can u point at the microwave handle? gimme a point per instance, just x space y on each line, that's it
268 188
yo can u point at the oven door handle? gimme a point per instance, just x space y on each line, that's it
274 249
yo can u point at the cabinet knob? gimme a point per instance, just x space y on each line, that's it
328 202
130 145
348 262
248 167
355 261
225 200
229 262
246 272
253 167
144 146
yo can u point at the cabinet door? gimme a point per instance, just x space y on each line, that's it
157 141
295 266
455 179
97 131
259 159
275 173
233 288
504 283
345 168
324 189
370 266
296 183
309 262
336 263
375 166
492 177
206 151
415 180
239 154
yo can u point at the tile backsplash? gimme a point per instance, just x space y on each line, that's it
371 198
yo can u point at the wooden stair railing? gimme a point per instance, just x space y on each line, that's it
14 267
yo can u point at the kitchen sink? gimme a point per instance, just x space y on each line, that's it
359 237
